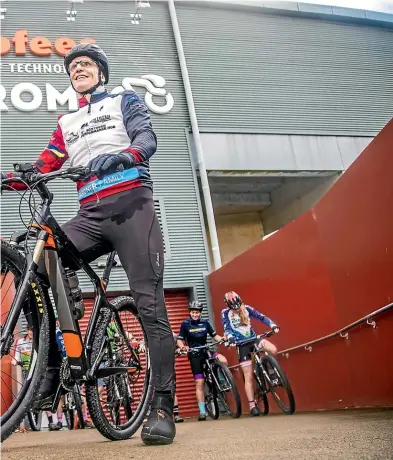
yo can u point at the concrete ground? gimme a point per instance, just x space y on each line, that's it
352 434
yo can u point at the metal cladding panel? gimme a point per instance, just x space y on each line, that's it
134 51
272 73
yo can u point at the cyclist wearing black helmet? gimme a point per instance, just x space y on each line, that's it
193 332
113 136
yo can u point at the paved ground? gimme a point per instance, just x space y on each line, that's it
358 434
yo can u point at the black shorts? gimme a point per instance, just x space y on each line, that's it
244 352
197 363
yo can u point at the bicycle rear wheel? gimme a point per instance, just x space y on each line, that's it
118 403
227 391
20 384
279 385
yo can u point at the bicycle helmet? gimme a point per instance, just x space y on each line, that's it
195 306
233 300
95 53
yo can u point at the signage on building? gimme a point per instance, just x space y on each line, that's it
41 46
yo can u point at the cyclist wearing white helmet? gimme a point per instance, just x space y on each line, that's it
113 136
193 332
236 321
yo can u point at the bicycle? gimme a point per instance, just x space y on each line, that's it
269 378
72 402
32 303
219 384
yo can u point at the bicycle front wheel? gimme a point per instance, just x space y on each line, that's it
211 402
227 390
279 386
24 354
118 403
35 419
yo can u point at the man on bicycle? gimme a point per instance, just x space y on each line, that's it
236 321
194 331
113 136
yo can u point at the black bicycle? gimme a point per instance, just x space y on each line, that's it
220 386
26 298
270 378
72 403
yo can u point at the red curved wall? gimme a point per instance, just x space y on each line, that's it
328 268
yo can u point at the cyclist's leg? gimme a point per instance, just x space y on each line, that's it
268 346
197 369
244 355
134 231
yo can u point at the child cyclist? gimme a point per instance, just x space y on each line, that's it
236 321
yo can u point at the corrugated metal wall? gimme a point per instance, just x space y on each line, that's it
263 73
177 305
133 51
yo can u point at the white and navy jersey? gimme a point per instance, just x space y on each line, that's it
234 328
109 124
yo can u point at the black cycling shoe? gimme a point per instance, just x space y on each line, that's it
202 418
178 419
47 390
254 412
53 427
160 426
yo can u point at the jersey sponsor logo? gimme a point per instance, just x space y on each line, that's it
101 119
109 180
72 138
199 329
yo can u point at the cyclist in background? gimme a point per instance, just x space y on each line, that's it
193 332
236 321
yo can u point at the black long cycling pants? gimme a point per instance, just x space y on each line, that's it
127 222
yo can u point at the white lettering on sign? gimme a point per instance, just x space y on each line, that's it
34 67
24 106
53 97
154 85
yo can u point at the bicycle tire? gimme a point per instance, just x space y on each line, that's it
69 416
78 406
228 375
92 396
35 419
14 415
284 383
211 402
260 391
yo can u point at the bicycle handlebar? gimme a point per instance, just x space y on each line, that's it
202 347
31 178
257 337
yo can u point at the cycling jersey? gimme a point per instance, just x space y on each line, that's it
234 328
110 124
23 347
194 333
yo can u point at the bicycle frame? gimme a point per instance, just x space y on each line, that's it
51 242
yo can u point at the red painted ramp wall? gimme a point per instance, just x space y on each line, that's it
330 267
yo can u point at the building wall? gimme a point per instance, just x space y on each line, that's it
134 51
329 268
292 199
237 233
254 72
